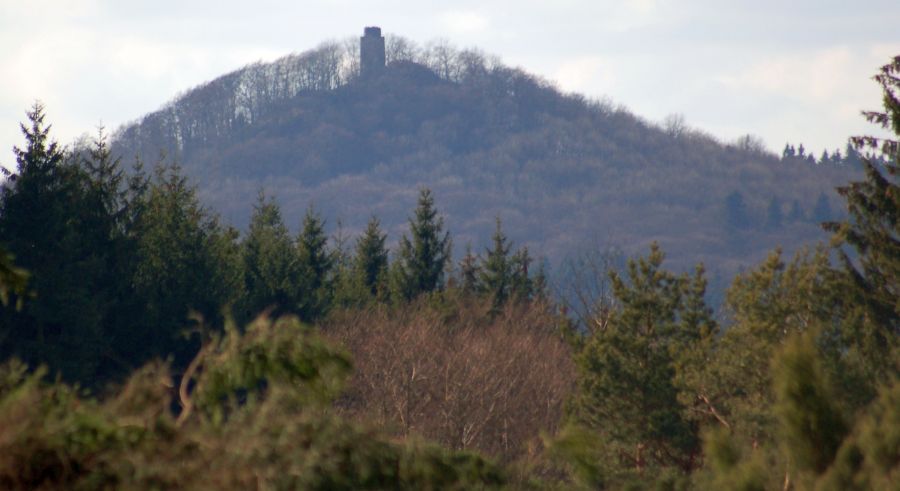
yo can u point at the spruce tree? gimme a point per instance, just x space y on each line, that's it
52 226
469 272
423 255
872 230
522 285
495 271
187 263
315 265
371 260
271 267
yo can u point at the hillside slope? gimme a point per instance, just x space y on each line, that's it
565 174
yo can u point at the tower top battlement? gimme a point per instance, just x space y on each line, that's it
371 52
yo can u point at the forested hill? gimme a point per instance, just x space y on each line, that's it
565 174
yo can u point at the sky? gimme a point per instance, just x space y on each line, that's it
797 71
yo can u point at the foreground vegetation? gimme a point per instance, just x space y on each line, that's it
376 370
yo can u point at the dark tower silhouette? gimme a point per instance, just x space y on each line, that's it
371 52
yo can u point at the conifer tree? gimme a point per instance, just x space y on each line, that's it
423 255
186 263
522 285
872 229
811 423
271 267
495 271
469 271
315 265
638 372
371 260
50 224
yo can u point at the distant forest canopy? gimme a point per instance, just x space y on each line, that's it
849 157
565 173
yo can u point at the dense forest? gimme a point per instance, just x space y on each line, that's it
566 174
148 344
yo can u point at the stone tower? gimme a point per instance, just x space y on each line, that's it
371 53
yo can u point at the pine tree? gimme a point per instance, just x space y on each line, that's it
424 255
633 373
812 426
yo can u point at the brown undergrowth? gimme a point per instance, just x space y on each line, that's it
459 373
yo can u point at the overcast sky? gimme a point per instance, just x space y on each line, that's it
795 70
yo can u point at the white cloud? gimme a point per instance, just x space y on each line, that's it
586 74
465 21
816 76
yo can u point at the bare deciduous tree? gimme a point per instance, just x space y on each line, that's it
471 381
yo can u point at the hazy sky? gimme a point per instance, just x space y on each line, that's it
793 70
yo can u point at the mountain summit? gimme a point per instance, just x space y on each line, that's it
355 128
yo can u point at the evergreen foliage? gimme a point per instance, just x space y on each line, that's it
371 260
315 266
265 389
425 254
496 270
187 264
636 373
271 267
52 223
102 272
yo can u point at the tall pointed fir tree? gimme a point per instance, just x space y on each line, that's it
424 255
495 272
270 264
523 285
315 264
872 230
53 228
187 262
371 261
468 272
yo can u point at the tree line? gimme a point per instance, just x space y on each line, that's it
794 385
118 263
